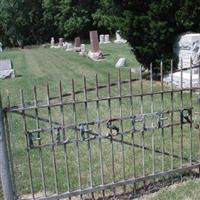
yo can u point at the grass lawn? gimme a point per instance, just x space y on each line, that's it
36 67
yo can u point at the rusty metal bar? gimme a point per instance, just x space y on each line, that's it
5 174
121 183
43 104
52 140
64 137
28 144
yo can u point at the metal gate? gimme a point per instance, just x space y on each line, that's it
106 140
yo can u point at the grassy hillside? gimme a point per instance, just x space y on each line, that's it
37 66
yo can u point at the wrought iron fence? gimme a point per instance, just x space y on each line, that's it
102 140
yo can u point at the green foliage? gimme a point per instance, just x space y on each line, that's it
21 22
151 27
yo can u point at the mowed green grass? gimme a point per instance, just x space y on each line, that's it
36 67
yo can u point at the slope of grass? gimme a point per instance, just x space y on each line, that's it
188 190
39 66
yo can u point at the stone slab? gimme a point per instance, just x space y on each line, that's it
94 41
5 64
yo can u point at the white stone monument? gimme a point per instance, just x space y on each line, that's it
52 42
101 39
120 63
119 39
69 47
6 70
61 41
187 48
107 39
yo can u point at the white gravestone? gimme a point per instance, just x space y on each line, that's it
83 51
119 39
101 39
6 70
69 47
52 42
61 41
107 39
121 63
187 48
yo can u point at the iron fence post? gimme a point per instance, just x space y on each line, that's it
4 161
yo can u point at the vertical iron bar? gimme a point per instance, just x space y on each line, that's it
77 138
132 125
64 135
162 109
191 106
111 140
4 162
121 126
88 143
172 118
142 131
152 110
39 143
52 140
181 146
27 144
8 127
99 133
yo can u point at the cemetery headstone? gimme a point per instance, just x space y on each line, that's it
95 53
102 39
61 41
107 39
121 63
187 48
69 47
83 51
119 39
52 42
6 70
77 44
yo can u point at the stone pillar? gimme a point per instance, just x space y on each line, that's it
94 41
77 44
61 40
52 42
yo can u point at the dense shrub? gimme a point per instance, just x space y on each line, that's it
152 26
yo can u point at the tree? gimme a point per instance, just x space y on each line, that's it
151 27
21 21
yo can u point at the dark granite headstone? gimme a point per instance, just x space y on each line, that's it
94 41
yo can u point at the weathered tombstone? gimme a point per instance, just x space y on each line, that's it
69 47
95 53
6 70
83 48
120 63
102 39
77 44
83 51
94 41
52 42
187 48
107 39
61 40
119 39
1 50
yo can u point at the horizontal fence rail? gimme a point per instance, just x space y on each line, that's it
104 140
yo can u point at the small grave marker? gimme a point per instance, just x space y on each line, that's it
6 70
95 54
